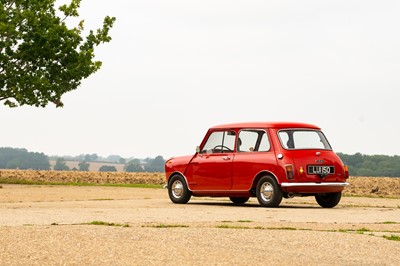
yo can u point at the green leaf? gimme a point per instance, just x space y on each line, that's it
41 59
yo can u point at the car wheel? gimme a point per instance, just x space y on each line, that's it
177 190
239 200
328 200
268 192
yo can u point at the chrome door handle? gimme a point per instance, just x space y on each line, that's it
226 158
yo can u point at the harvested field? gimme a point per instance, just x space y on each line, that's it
82 177
373 187
359 186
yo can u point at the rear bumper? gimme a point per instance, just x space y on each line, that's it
313 188
327 184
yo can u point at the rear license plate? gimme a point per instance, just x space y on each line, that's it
320 170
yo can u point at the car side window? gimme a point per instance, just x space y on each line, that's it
220 142
251 140
264 143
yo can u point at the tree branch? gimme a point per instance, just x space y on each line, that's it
10 5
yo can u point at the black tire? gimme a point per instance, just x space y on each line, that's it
269 194
177 190
239 200
328 200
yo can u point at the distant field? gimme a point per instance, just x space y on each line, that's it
374 186
81 177
93 166
359 186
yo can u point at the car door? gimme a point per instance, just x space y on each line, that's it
211 169
254 154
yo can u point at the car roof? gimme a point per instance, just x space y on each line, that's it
266 125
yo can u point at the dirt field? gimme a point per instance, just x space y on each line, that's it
359 186
66 225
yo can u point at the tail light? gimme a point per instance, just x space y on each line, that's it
346 171
289 171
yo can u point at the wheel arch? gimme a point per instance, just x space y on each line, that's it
258 177
182 175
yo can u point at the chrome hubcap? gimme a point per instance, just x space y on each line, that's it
266 191
177 189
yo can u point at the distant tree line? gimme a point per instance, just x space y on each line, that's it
372 165
11 158
14 158
96 158
149 165
135 165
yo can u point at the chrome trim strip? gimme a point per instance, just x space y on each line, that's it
327 184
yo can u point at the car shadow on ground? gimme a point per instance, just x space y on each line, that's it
253 205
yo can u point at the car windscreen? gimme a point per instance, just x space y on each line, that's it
298 139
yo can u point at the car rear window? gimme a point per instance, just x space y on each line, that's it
297 139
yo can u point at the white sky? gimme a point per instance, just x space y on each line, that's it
175 68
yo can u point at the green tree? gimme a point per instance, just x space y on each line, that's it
61 165
372 165
107 168
83 166
40 57
113 158
133 166
14 164
155 165
11 158
90 157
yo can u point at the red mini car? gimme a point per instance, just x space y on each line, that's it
264 160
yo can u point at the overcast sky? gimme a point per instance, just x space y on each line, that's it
177 67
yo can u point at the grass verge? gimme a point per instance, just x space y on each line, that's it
107 224
79 184
166 226
348 231
392 237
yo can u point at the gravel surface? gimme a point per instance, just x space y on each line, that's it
53 225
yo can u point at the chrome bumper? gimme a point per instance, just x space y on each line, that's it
327 184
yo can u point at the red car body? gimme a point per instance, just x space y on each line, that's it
264 160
